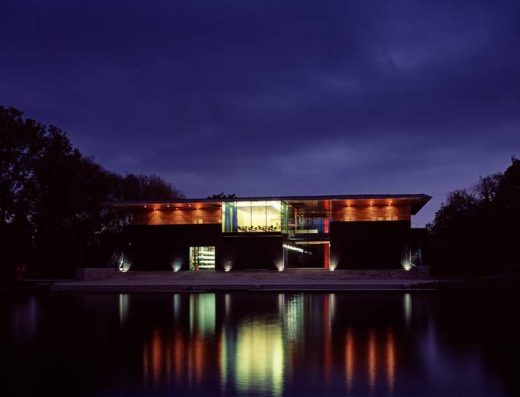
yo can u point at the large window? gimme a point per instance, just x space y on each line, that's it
253 216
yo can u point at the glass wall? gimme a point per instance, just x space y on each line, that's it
306 224
285 217
229 217
254 216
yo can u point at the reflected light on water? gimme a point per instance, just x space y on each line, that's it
259 358
223 360
255 344
281 305
390 360
178 354
349 359
123 308
182 359
332 307
407 308
157 351
327 349
176 306
260 353
202 313
197 359
293 310
227 305
371 360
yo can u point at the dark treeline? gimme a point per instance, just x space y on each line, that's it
51 215
477 231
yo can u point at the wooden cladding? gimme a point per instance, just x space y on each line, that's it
181 216
354 213
213 215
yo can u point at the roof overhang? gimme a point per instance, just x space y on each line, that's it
416 201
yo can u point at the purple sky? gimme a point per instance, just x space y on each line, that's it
275 97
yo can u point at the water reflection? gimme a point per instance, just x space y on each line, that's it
349 359
390 360
176 306
123 307
185 358
259 354
259 359
407 308
371 361
202 314
256 344
24 319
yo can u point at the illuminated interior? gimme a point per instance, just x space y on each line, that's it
202 258
310 225
252 216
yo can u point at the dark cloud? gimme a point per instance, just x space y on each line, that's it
275 97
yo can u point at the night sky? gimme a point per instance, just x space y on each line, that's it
274 97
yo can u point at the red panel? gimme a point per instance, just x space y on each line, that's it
326 255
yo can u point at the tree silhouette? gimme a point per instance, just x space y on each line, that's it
51 198
222 195
476 231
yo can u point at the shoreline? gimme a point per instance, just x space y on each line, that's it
261 281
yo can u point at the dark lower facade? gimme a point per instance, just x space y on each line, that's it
354 245
327 232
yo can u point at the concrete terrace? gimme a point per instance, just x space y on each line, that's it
288 280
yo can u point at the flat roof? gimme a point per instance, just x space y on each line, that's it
417 201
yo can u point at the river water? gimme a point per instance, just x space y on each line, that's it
259 344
